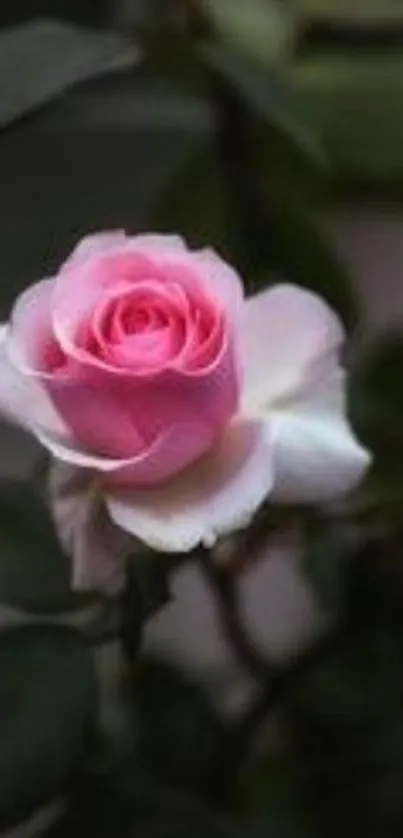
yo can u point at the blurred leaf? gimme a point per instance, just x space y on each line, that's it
179 732
172 63
149 577
124 805
302 252
272 799
359 680
34 572
295 246
352 98
143 14
47 709
352 11
41 59
263 28
376 397
257 200
329 549
268 94
146 591
195 205
349 725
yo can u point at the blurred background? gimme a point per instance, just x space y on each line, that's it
271 130
84 147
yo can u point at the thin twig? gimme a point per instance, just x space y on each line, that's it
224 587
280 686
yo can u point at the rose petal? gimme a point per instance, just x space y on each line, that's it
218 278
168 454
287 332
22 353
153 242
31 328
96 546
93 245
221 280
14 399
149 258
23 401
119 415
97 244
78 292
216 496
316 456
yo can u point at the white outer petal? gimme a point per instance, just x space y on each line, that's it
217 495
23 401
13 401
96 546
316 455
97 244
288 335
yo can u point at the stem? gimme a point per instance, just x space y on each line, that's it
237 152
225 590
279 687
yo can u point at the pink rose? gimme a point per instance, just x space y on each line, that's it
135 343
142 363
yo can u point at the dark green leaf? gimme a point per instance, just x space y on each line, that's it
376 397
353 99
47 709
149 580
34 572
263 28
195 205
146 591
303 253
356 12
329 549
41 59
179 733
266 94
127 806
349 725
272 798
204 205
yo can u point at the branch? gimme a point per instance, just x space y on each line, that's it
280 686
224 587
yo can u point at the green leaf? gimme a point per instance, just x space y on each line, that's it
349 725
296 246
263 28
302 252
272 796
364 12
34 572
125 805
47 708
353 100
214 205
146 591
42 58
376 397
268 95
329 549
194 204
179 732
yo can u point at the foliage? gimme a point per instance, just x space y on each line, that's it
47 703
34 572
319 748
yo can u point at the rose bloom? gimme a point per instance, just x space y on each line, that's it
170 400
